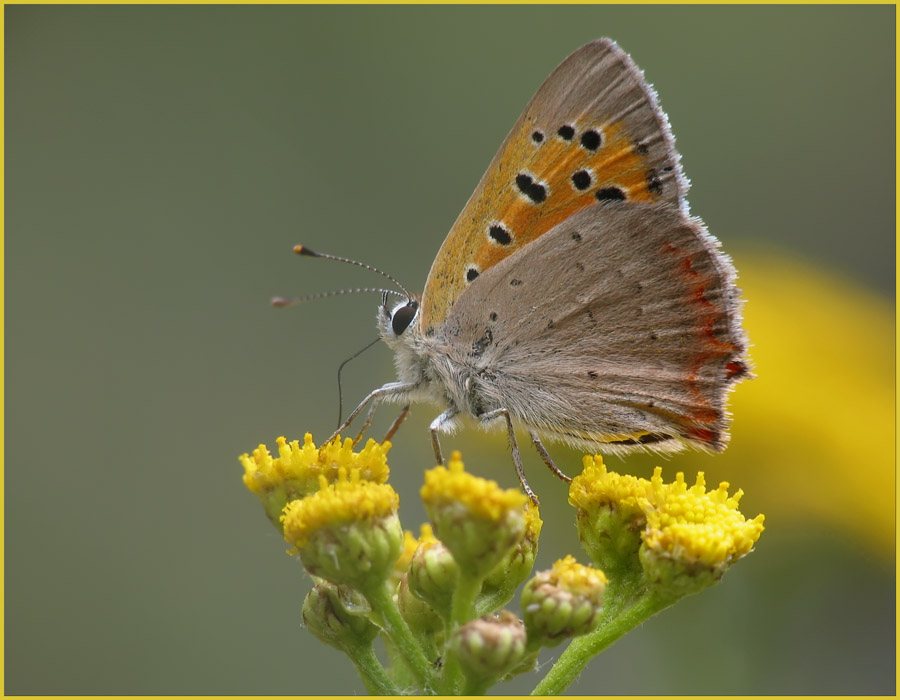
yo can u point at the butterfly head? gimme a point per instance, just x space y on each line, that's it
398 320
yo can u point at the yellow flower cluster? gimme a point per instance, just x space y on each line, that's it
348 500
679 522
693 525
480 497
437 596
596 487
298 467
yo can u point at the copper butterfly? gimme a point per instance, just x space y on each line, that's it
575 297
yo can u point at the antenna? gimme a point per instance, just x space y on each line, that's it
280 302
303 250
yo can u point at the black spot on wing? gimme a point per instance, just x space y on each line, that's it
581 179
610 194
535 191
499 235
566 132
591 140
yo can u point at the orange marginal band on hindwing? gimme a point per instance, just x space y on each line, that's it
559 158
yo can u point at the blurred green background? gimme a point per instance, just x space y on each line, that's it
162 161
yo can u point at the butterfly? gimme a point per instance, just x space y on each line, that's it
575 297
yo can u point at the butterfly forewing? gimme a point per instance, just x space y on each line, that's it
592 133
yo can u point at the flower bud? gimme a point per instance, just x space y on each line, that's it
336 616
419 615
433 574
488 647
561 602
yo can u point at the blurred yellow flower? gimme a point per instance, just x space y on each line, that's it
819 418
410 545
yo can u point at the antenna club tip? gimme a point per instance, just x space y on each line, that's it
303 250
278 302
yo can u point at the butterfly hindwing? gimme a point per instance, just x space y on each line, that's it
637 348
592 133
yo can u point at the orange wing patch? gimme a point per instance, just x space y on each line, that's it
545 174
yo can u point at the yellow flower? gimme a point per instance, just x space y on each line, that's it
482 498
680 536
610 515
697 527
295 472
596 487
477 520
561 602
348 532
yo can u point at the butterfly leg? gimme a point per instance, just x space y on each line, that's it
366 423
514 448
392 389
542 451
396 424
437 424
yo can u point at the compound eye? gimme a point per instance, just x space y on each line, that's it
403 316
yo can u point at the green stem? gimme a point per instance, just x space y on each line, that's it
493 601
464 600
476 686
398 632
398 671
581 650
372 672
463 610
